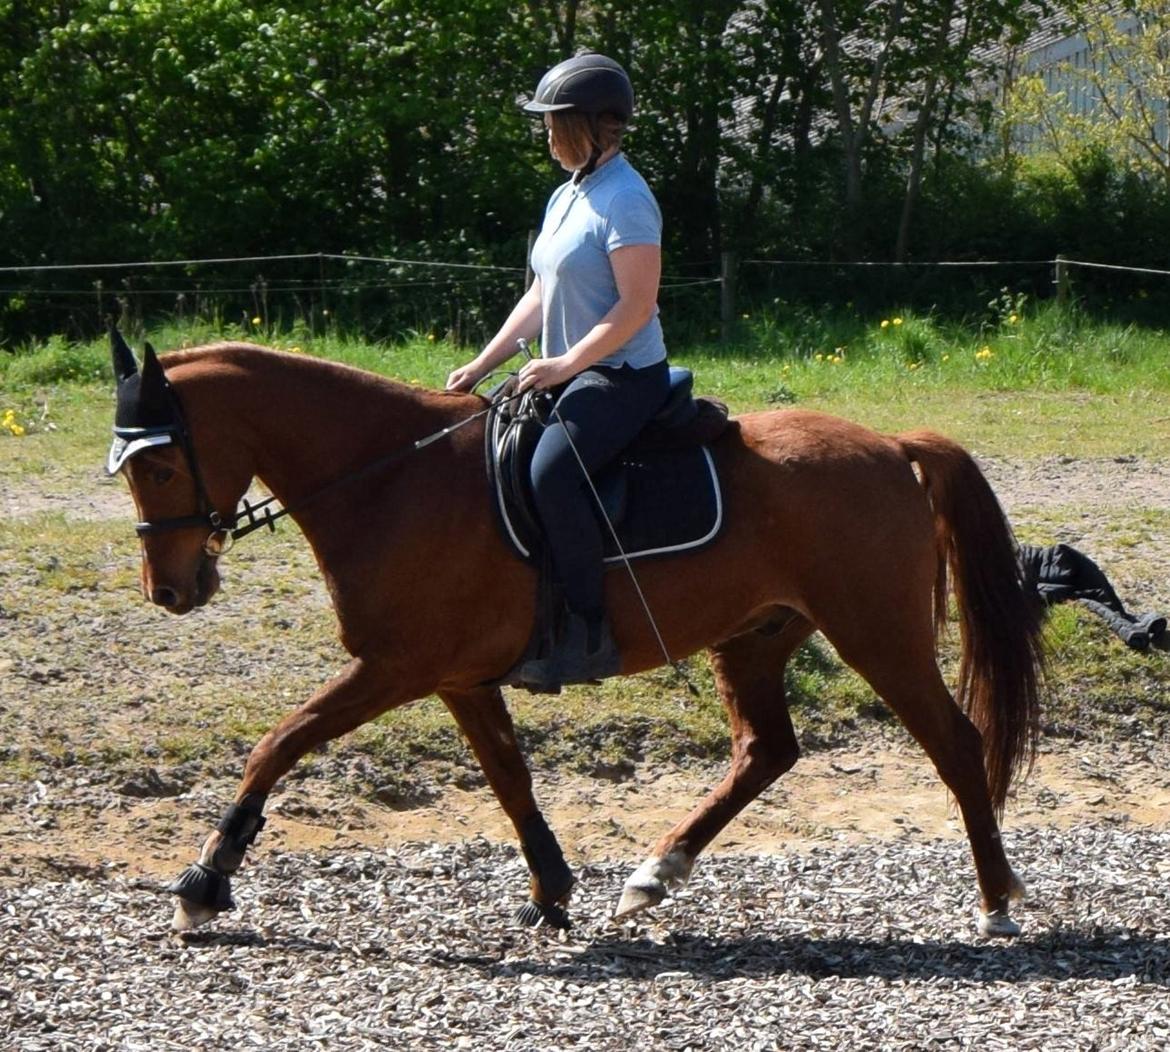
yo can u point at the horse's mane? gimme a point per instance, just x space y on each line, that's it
244 354
240 351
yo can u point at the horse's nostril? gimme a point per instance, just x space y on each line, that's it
164 597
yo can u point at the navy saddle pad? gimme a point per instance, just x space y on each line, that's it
662 495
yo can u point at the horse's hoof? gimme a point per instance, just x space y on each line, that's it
200 894
651 881
189 915
997 925
638 897
533 915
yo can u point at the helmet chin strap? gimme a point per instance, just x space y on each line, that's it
595 152
589 166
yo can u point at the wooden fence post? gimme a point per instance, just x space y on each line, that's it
1061 280
727 275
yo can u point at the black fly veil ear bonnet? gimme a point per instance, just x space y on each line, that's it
147 414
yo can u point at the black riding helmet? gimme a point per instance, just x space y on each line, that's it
591 84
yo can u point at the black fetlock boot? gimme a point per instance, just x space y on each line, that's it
584 651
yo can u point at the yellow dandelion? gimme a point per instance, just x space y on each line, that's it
820 357
885 323
17 430
897 321
1013 319
256 320
431 337
946 357
984 353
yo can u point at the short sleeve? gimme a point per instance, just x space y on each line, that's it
634 219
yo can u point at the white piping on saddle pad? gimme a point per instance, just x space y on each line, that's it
716 525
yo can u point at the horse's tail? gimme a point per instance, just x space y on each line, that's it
1002 662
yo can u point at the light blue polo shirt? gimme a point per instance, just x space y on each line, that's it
583 223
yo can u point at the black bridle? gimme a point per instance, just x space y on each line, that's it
207 515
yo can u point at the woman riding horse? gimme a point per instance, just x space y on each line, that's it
829 527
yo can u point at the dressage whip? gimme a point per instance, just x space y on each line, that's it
268 518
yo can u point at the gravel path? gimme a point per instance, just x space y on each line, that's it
843 946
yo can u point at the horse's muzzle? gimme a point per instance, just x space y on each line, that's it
204 586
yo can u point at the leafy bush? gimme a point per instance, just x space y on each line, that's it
57 361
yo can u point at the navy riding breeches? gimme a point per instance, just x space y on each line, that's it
603 409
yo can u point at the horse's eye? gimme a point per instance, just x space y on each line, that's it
161 476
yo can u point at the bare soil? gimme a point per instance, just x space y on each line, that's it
885 791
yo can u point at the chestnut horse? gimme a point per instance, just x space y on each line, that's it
829 527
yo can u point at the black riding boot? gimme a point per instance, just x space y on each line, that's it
584 651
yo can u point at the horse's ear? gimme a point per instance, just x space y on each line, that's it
153 392
124 364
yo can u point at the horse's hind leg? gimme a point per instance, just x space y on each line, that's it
361 692
900 665
484 719
749 675
955 747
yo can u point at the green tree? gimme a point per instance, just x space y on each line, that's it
210 126
900 73
1115 102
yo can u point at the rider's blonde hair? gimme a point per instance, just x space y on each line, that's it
575 135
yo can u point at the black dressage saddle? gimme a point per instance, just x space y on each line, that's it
661 496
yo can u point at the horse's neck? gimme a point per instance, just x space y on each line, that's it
332 433
305 424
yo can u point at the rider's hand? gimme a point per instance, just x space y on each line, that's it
463 379
543 373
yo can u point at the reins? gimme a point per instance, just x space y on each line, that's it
269 518
225 530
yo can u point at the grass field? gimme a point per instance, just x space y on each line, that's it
200 690
1015 384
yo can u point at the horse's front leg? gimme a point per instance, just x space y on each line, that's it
361 692
484 719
